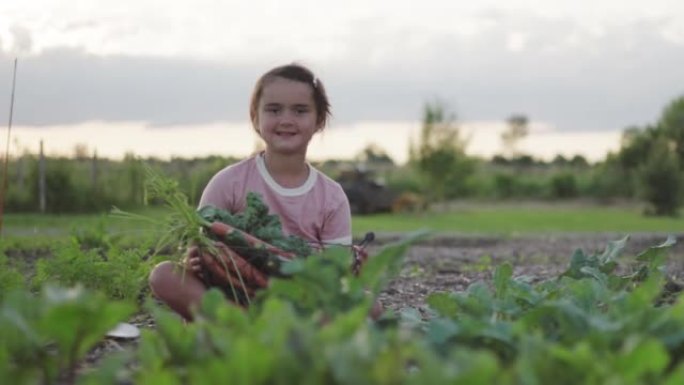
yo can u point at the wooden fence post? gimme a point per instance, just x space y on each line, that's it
94 171
21 173
41 179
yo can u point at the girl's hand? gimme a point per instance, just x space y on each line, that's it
193 261
360 254
360 257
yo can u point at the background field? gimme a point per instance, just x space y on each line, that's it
468 218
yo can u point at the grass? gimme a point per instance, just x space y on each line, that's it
496 218
514 219
42 230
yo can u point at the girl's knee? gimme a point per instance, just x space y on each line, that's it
161 276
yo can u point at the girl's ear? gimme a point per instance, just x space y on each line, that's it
255 126
254 116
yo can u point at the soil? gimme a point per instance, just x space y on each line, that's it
452 263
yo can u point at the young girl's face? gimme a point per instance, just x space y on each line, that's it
286 116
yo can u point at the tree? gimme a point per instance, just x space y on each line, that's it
579 161
672 125
662 183
653 156
635 145
517 130
559 160
81 151
374 154
440 153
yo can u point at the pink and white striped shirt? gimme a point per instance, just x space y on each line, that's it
317 211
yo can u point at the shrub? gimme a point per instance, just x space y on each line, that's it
504 185
563 185
405 179
507 185
661 178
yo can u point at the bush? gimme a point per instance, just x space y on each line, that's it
504 185
610 180
661 178
563 185
405 179
508 185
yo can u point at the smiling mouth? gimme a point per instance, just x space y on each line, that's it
286 134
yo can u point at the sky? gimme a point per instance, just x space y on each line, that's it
173 78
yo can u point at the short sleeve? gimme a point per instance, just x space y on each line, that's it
337 226
218 192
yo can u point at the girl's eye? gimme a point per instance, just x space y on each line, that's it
302 110
272 110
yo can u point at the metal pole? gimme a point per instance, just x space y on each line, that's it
6 166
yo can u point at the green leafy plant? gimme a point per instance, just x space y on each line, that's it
257 221
42 338
603 266
602 321
326 286
10 278
593 313
118 273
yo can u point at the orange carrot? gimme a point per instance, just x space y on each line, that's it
236 264
222 273
222 230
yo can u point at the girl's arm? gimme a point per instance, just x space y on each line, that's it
337 226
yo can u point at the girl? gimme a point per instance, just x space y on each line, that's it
288 106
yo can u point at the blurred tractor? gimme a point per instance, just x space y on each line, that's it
366 194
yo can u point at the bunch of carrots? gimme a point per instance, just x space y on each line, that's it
256 261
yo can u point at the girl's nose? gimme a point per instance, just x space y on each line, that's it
286 117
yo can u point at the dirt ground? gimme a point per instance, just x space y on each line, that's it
451 263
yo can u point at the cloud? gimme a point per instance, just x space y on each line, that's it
23 43
567 75
66 86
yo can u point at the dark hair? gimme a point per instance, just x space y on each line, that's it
299 73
